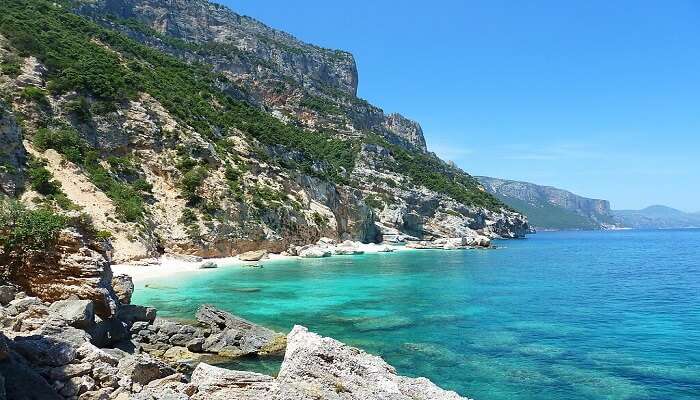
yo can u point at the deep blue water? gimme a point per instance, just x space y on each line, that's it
568 315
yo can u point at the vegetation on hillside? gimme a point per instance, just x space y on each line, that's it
128 198
22 230
89 59
111 68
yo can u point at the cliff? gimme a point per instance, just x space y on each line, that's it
656 217
550 208
182 127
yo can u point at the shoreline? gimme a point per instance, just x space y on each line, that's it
169 265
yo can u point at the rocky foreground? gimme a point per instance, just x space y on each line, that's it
62 350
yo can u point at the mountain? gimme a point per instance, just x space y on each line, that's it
548 207
182 127
656 217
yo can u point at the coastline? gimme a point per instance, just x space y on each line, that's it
169 265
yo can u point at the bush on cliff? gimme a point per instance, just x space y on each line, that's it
22 230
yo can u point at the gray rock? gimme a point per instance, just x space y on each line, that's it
45 351
123 287
78 313
24 383
7 294
108 332
142 369
236 336
70 371
20 305
208 265
328 367
255 255
196 345
219 383
130 313
4 347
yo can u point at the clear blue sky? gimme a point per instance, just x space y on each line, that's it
598 97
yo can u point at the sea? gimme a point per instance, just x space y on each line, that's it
559 315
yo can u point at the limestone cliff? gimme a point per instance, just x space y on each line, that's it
182 127
549 207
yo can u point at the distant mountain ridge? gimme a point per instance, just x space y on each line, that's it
656 217
550 208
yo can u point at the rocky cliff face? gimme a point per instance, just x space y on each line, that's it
311 86
12 153
182 127
567 209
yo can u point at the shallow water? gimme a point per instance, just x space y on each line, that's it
570 315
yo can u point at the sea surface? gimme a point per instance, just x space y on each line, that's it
564 315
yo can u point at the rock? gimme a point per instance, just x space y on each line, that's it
328 367
75 266
21 305
386 249
172 387
108 332
208 265
123 287
255 255
142 369
236 336
215 383
70 371
91 354
314 252
45 351
4 347
24 383
130 313
196 345
7 294
78 313
101 394
77 386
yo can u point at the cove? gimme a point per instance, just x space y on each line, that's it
566 315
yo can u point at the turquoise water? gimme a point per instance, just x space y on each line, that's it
571 315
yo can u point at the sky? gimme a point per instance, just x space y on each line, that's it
598 97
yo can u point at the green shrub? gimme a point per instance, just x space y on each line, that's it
22 230
80 108
319 219
103 235
188 217
191 181
41 179
11 65
35 94
64 140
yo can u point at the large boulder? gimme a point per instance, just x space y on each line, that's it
45 351
131 313
313 251
214 383
7 294
74 267
78 313
234 336
22 382
327 367
123 287
255 255
141 369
